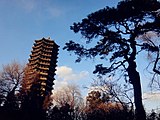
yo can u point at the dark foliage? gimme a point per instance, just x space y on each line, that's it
153 116
99 114
117 31
66 113
62 113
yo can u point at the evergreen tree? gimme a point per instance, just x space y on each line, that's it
119 33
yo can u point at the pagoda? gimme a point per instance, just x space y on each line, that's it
43 61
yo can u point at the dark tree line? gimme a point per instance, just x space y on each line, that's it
16 104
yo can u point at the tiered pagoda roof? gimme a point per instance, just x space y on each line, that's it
43 61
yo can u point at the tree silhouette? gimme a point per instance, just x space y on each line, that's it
94 99
100 108
113 91
118 33
61 113
10 80
70 95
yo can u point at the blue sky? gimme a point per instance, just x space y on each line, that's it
23 21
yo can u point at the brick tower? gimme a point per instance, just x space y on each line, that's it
43 61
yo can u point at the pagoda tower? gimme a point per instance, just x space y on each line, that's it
43 61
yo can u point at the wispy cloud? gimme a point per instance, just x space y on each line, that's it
151 96
54 11
28 5
41 7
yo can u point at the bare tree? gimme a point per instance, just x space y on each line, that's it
100 106
153 57
30 76
69 94
10 78
94 99
10 81
114 92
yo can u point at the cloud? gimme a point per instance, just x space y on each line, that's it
151 101
59 84
41 7
67 74
151 96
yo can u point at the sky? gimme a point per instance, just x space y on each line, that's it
23 21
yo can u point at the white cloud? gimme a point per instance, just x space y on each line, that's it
151 100
67 74
151 96
59 84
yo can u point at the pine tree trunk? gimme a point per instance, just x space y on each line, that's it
135 81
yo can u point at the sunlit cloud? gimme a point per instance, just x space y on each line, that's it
151 96
59 84
65 73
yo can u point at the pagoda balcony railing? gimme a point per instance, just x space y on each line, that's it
42 73
33 62
35 54
42 45
44 68
34 66
43 78
43 83
38 41
48 42
34 58
44 63
37 46
48 55
45 59
40 53
49 46
36 50
46 50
